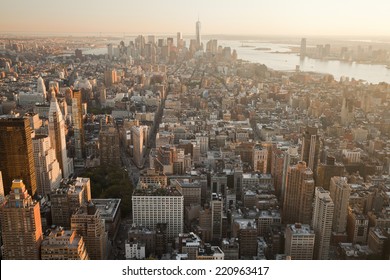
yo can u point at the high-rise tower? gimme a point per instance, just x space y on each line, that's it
311 148
322 223
57 137
303 48
1 188
21 225
77 116
48 172
198 37
339 192
16 153
298 199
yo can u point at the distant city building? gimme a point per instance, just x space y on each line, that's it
303 48
16 153
21 224
198 35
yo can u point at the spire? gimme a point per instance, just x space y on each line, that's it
54 108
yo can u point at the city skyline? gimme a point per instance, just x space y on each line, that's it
299 18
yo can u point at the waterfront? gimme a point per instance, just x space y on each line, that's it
280 57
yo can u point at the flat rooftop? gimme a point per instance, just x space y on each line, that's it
108 207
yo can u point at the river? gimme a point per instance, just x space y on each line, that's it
279 57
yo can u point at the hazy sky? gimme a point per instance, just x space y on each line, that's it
258 17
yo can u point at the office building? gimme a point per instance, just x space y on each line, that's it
2 196
88 223
357 227
47 168
21 224
67 198
291 158
78 126
322 223
230 248
16 153
138 135
191 191
340 192
57 137
326 171
159 205
151 176
299 243
298 198
311 148
109 146
246 232
60 244
208 252
143 235
111 214
135 250
266 219
198 36
216 204
303 48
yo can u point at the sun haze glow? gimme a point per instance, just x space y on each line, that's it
247 17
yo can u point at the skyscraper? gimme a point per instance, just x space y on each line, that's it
16 153
303 48
47 168
339 192
322 223
216 216
298 198
21 225
1 188
57 137
41 88
311 148
77 116
291 157
109 146
198 37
